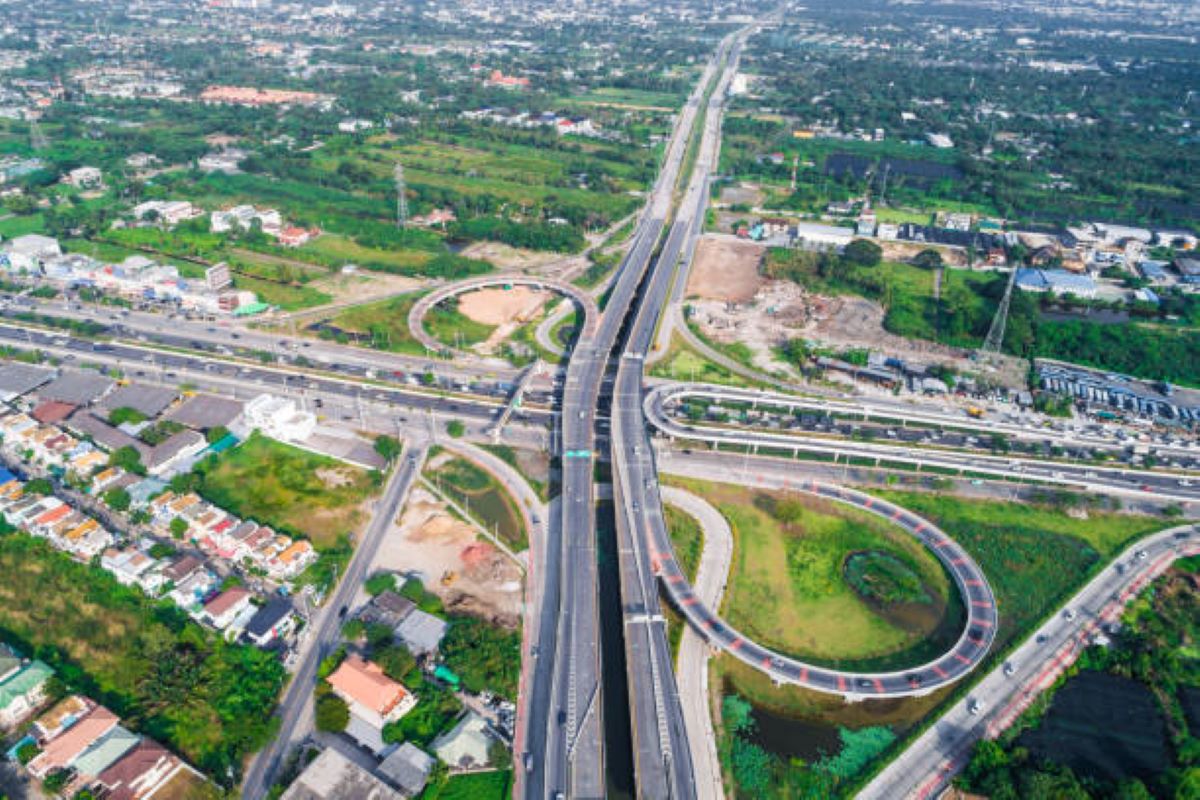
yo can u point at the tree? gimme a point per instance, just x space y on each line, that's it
353 629
863 253
128 459
928 259
456 428
117 499
380 582
178 527
388 446
40 486
216 434
333 715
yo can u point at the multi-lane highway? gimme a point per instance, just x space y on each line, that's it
927 766
566 752
662 757
1157 484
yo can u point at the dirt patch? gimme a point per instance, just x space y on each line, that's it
519 304
782 310
905 251
726 269
333 477
743 194
507 257
466 572
363 287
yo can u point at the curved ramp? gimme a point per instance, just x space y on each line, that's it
416 315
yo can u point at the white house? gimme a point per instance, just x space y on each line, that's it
28 252
84 178
278 418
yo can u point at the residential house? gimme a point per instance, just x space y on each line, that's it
63 749
332 776
272 622
22 690
292 560
371 695
104 752
421 632
408 767
31 251
62 715
222 610
84 178
141 773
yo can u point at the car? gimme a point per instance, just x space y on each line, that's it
974 706
1069 614
342 612
562 717
1009 669
1140 555
1041 638
528 760
864 683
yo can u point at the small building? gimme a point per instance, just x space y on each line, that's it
84 178
468 744
273 621
371 695
1189 269
31 251
22 690
332 776
279 418
388 608
408 767
223 609
1055 281
421 632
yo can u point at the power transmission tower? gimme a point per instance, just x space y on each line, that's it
37 138
995 337
401 197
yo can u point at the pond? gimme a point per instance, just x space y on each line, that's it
1103 726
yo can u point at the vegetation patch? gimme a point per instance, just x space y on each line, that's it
687 539
880 577
167 677
290 489
482 497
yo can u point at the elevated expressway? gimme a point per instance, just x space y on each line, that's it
1164 486
662 759
565 749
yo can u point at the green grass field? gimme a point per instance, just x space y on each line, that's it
637 98
290 489
289 297
1033 555
495 785
534 466
687 539
447 324
482 496
385 321
787 589
333 247
20 225
681 363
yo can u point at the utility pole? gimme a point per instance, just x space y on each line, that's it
401 197
995 337
795 167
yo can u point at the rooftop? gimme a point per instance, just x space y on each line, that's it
331 776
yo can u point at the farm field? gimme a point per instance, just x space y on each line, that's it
634 98
290 489
139 657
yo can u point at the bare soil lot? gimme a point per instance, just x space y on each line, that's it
726 269
502 306
506 257
466 572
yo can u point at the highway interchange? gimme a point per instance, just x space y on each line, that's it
561 698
